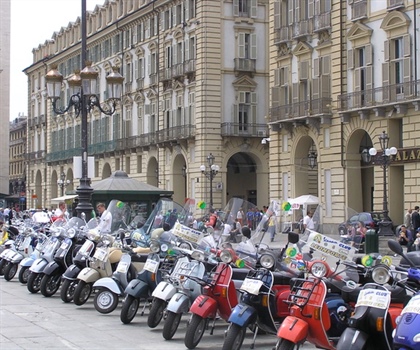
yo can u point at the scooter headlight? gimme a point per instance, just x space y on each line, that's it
71 233
380 274
164 247
185 245
154 247
226 256
416 338
197 255
319 269
93 235
267 261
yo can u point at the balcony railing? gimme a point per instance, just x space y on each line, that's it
63 155
244 129
359 10
394 4
189 66
322 21
164 74
176 133
136 141
102 147
153 79
301 109
38 155
382 96
245 65
178 70
282 35
302 28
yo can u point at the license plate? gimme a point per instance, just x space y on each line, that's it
64 245
123 266
151 265
251 286
101 254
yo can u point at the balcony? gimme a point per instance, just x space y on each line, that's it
38 155
244 130
301 110
153 79
395 4
134 142
322 22
282 35
165 74
246 65
302 28
102 147
359 10
178 70
63 155
175 133
396 95
189 66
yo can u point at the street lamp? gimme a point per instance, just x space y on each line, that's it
210 174
63 183
384 160
83 99
312 159
184 175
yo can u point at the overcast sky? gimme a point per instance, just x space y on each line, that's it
33 22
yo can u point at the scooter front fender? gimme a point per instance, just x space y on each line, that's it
27 262
293 329
89 275
179 303
243 315
51 268
137 289
204 306
38 265
352 339
16 258
72 272
108 283
164 291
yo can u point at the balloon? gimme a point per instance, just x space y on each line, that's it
120 204
367 261
286 206
201 205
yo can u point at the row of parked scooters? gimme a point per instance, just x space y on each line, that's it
314 289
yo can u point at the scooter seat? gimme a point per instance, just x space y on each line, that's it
139 257
239 274
351 295
282 278
398 294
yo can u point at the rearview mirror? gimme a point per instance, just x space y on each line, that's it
293 237
395 247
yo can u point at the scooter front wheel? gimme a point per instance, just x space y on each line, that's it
105 301
82 293
129 309
156 312
171 325
234 337
24 274
10 271
67 290
2 266
34 282
284 344
195 331
50 284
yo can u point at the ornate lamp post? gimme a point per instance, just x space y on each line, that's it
63 183
384 160
210 174
83 99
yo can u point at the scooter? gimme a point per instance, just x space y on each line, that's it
318 313
63 257
47 255
26 263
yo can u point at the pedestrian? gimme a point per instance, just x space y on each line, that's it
240 216
407 219
308 223
60 212
249 217
406 238
105 219
236 230
272 227
415 218
416 244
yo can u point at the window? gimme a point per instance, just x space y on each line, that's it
246 110
245 8
247 46
360 59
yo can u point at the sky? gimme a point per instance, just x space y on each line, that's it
33 22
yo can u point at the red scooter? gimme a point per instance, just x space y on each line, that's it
219 297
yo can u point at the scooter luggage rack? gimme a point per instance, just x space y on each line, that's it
182 271
301 291
167 265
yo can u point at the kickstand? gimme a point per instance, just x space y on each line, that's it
255 336
213 326
144 307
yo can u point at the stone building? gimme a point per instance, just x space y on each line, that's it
196 83
341 73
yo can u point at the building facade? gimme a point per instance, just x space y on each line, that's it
342 73
196 83
5 15
17 163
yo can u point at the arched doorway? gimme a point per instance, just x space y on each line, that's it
38 190
179 181
106 171
246 179
153 172
306 168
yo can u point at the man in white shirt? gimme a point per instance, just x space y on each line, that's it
105 219
308 222
60 212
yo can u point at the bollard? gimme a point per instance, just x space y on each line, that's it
371 241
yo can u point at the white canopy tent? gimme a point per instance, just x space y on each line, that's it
302 201
63 198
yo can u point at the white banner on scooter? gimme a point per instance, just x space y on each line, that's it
331 247
379 299
186 233
413 306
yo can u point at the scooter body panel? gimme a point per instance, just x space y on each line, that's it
138 289
51 268
179 303
89 275
72 272
109 283
204 306
38 265
293 329
243 315
164 291
352 339
16 258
